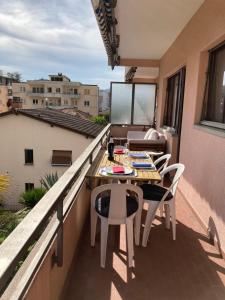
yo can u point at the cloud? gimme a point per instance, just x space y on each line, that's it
42 37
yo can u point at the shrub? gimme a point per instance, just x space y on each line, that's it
8 221
31 197
49 180
4 183
101 120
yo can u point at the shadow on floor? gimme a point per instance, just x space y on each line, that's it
188 268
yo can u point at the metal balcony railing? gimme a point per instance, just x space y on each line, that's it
45 223
49 95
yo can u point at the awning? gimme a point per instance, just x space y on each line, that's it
130 74
104 12
61 158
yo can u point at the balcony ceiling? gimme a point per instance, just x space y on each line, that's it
147 28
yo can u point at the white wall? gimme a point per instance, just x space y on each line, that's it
17 133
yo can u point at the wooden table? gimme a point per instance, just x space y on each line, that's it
123 160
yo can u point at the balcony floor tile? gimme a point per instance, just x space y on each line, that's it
188 268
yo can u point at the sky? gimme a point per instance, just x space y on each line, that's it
42 37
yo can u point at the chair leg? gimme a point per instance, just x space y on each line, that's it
148 222
130 241
104 236
94 218
161 210
173 219
137 226
167 213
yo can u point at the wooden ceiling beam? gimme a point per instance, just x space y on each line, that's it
133 62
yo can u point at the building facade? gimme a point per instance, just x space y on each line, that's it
5 92
46 141
57 91
104 102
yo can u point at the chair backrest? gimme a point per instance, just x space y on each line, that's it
165 159
179 169
118 203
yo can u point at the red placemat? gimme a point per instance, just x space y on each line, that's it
119 151
118 170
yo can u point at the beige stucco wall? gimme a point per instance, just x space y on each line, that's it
4 98
92 98
63 98
17 133
201 151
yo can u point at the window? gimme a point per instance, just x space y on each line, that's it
75 91
57 90
132 103
29 186
22 89
61 158
38 90
49 89
74 102
35 101
213 113
86 103
86 92
174 100
29 156
66 102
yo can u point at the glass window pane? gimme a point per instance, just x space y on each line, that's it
144 104
216 98
121 101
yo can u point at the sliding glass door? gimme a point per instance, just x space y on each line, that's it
133 103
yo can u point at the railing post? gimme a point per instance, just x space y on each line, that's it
91 158
58 256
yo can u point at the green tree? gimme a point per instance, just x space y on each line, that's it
101 120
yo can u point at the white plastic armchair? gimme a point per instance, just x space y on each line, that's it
167 200
117 214
164 158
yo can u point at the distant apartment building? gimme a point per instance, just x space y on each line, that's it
104 102
57 91
36 142
5 92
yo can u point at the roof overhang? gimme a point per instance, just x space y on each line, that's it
146 28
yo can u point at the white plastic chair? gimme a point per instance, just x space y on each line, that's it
163 166
155 154
167 198
164 158
117 214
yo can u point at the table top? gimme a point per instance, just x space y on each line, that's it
124 160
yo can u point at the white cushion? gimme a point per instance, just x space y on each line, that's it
146 137
154 135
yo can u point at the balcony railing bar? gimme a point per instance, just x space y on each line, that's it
20 283
14 248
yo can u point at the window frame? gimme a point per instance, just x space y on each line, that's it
61 152
26 162
27 184
133 84
176 109
86 92
209 77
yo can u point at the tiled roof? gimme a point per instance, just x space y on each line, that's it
64 120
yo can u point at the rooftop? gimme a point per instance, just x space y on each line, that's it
61 119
